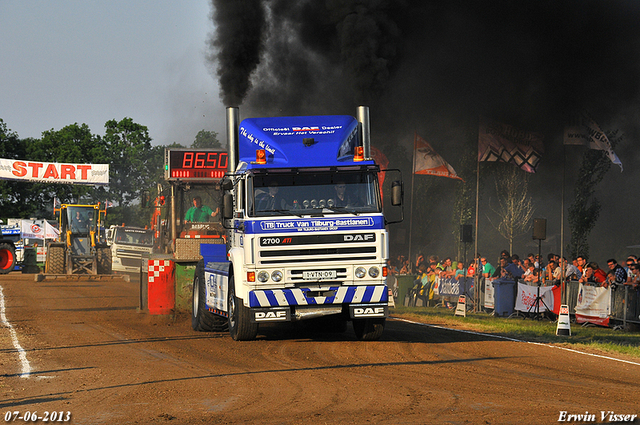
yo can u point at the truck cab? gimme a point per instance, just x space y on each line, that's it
128 246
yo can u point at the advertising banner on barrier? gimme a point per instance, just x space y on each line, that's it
54 172
594 305
451 287
550 298
448 286
489 301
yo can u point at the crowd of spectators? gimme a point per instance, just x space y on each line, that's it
532 269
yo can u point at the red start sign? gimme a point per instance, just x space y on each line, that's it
53 172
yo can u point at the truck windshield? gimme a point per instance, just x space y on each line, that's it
313 193
134 237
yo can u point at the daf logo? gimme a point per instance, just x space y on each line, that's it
359 238
271 315
368 311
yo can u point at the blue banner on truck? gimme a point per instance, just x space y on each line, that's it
314 225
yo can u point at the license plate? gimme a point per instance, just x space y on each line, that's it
319 275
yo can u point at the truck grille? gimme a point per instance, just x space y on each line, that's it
131 262
317 255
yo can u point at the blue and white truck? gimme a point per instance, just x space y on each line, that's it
306 235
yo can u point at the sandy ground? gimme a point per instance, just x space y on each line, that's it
92 354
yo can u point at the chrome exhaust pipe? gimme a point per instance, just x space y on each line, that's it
233 122
363 119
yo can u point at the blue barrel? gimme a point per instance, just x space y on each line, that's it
504 297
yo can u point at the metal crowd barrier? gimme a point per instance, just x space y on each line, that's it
625 304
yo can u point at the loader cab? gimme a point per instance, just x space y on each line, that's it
81 249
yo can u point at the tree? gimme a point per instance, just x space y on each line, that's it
14 195
515 206
206 140
132 167
73 144
464 207
128 148
585 210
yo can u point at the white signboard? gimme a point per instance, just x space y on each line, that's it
54 172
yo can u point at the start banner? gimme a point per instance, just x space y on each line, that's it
54 172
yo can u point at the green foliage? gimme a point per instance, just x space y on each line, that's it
13 195
127 145
134 165
206 140
74 144
585 210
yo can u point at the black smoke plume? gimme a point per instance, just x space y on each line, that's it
528 60
434 66
237 45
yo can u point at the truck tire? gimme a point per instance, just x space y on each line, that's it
203 320
103 257
55 260
7 258
368 329
240 326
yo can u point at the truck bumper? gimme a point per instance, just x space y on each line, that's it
287 314
315 297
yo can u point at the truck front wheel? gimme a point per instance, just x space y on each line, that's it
368 329
240 326
201 318
7 258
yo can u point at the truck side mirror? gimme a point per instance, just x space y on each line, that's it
396 193
227 184
227 206
144 202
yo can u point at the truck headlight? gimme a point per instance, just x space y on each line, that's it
374 271
263 276
360 272
276 276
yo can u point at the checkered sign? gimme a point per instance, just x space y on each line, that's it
158 267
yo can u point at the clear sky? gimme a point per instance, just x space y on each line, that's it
87 61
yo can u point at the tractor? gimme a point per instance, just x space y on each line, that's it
82 248
7 254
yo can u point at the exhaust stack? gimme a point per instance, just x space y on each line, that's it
233 122
363 119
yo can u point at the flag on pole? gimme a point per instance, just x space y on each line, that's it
586 132
427 161
383 162
505 143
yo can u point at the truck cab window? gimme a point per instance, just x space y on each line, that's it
313 193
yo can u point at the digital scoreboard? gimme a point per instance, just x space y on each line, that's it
195 164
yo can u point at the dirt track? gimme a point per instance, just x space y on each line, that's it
93 355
